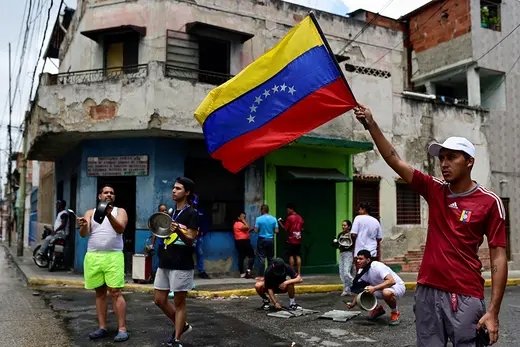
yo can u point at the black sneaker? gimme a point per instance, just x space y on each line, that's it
204 275
248 274
171 341
295 307
187 329
266 306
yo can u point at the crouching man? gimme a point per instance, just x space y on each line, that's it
381 281
276 282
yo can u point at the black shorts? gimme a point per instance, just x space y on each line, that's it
293 249
277 290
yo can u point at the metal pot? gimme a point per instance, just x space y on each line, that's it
101 211
366 301
159 224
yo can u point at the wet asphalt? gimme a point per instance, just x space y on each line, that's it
61 317
25 319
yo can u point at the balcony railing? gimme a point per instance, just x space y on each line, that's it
202 76
103 75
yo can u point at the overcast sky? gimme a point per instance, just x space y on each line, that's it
13 16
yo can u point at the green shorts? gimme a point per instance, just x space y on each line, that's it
104 268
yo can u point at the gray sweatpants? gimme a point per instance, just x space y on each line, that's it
345 270
436 320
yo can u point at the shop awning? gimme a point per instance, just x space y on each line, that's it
304 173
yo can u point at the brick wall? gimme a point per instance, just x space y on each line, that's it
384 21
452 21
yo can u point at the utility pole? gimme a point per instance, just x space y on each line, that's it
9 161
21 222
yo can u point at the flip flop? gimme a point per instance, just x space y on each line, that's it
97 334
121 336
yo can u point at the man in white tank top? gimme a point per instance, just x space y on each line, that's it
104 264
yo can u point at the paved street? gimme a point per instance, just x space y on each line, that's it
238 322
25 320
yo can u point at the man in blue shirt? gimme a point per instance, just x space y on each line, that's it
200 240
266 226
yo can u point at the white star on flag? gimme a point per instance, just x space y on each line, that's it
292 90
282 87
253 108
275 89
258 100
251 118
266 93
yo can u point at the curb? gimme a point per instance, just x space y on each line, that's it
39 283
36 282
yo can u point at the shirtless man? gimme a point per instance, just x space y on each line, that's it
104 264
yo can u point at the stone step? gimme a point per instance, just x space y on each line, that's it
415 253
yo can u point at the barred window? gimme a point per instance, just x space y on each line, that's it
408 204
366 190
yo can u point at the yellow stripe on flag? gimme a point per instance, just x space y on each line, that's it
299 40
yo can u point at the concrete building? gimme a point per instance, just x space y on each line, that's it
459 56
121 111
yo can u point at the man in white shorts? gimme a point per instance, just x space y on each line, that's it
382 282
176 266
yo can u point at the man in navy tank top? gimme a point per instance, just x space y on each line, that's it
176 265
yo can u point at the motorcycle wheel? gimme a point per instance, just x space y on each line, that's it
40 260
52 262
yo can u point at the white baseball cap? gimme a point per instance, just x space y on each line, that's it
454 143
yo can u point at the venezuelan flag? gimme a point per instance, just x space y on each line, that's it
290 90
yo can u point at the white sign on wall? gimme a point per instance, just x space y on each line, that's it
136 165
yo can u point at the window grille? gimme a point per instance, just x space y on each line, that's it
408 205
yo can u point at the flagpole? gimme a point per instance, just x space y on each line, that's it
322 35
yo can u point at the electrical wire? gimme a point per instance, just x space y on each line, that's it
406 37
502 81
41 47
365 26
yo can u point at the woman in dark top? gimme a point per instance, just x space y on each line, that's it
345 257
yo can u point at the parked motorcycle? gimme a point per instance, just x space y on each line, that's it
55 255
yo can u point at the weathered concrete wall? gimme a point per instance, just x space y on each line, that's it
502 127
445 54
268 20
159 105
412 126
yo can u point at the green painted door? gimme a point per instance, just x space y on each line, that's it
316 202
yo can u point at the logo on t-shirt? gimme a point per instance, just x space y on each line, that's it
465 216
453 205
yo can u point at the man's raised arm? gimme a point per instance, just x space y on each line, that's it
384 146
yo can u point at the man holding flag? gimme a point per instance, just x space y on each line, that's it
449 299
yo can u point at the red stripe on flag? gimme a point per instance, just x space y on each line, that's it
309 113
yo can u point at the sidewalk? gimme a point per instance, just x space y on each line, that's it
225 287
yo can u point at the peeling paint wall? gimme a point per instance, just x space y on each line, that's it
162 103
158 103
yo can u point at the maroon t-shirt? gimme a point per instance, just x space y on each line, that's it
456 227
294 226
